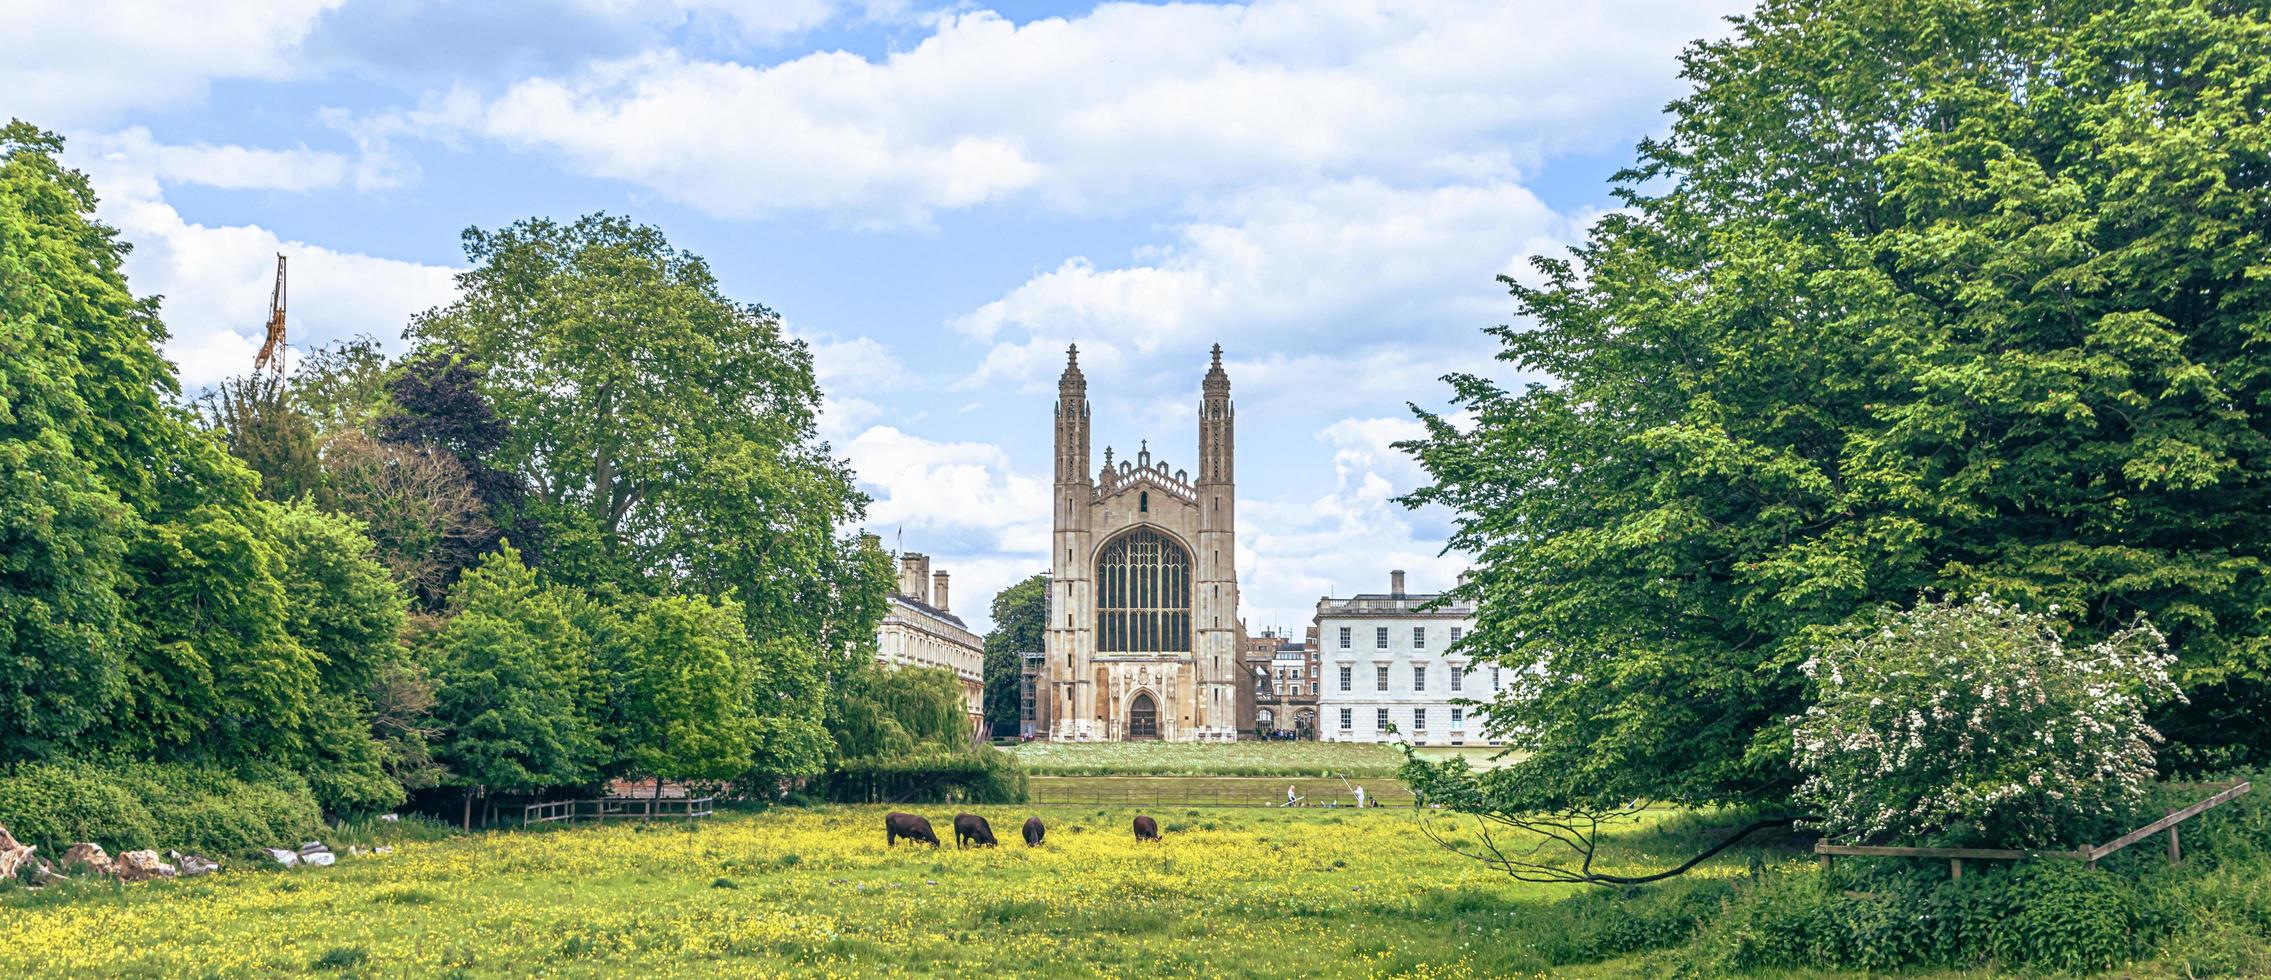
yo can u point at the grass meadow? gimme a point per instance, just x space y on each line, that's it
814 892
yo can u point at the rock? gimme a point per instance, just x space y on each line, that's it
142 866
192 865
390 817
13 856
43 873
285 858
313 847
319 859
88 856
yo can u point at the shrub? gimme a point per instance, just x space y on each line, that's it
55 806
149 805
1973 723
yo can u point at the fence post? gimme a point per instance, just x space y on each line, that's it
1955 869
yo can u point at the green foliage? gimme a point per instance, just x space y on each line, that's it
136 806
63 308
682 704
897 711
151 605
257 420
2048 914
1021 617
55 806
512 668
1974 724
982 774
904 734
1955 295
666 437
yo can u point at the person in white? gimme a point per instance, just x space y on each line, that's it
1360 797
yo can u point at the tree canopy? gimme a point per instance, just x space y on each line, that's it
1021 617
1960 295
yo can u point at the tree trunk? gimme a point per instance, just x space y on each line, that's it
468 818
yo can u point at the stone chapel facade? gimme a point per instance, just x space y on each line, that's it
1143 633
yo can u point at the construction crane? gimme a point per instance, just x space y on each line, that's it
272 350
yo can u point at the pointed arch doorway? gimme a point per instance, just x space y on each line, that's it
1143 717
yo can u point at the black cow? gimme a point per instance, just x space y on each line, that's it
909 826
1146 828
1033 831
972 827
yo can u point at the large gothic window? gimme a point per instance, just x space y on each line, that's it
1143 595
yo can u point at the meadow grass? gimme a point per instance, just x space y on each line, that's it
1214 790
1350 759
1229 892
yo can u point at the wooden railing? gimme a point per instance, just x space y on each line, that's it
618 808
1956 856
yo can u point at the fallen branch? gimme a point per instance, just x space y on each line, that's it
1577 831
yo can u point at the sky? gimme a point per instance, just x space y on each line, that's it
938 198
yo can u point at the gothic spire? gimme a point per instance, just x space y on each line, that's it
1072 378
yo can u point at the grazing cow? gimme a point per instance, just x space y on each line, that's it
1146 828
972 827
1033 830
909 826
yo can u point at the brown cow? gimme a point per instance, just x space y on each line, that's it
909 826
1146 828
972 827
1033 831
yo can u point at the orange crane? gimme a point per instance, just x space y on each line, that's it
272 350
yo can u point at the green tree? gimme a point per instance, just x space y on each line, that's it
666 437
1021 619
682 705
1961 295
257 419
63 578
512 668
343 607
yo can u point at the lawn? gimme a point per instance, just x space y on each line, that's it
1216 790
1208 758
1230 892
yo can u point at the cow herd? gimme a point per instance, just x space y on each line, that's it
971 830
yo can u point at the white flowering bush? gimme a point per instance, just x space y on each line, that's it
1958 724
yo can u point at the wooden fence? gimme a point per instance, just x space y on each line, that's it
618 808
1956 856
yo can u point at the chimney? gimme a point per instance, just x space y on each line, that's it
938 591
914 576
1396 582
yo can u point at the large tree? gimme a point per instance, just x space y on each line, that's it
1021 617
151 605
667 438
1962 295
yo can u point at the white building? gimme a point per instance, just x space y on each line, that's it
919 631
1386 662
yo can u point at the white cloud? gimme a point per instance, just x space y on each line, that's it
962 503
936 489
1297 547
80 62
1334 268
1126 106
131 154
216 280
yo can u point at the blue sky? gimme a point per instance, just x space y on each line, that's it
938 197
